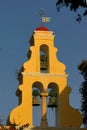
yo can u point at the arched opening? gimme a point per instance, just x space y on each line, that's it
37 88
44 58
52 103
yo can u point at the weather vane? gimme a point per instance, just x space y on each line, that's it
43 16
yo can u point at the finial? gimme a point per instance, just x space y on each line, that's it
43 16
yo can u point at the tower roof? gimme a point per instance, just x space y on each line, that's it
42 28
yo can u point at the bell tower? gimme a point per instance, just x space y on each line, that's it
44 71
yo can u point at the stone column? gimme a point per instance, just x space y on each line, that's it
44 110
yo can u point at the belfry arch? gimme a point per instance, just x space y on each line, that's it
52 103
37 88
44 58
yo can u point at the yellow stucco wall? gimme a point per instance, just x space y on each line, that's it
55 77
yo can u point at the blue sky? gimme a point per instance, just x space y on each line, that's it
18 19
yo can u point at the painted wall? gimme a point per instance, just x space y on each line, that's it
54 77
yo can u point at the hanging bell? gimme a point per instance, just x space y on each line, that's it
35 101
52 102
43 62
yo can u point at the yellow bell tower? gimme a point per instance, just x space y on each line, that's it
44 71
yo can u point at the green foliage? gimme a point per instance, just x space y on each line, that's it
73 5
23 126
13 126
83 68
19 75
83 90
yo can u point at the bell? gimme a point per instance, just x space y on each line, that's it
35 101
43 62
52 102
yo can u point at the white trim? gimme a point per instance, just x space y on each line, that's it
44 74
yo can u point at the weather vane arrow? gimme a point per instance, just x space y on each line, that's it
43 16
